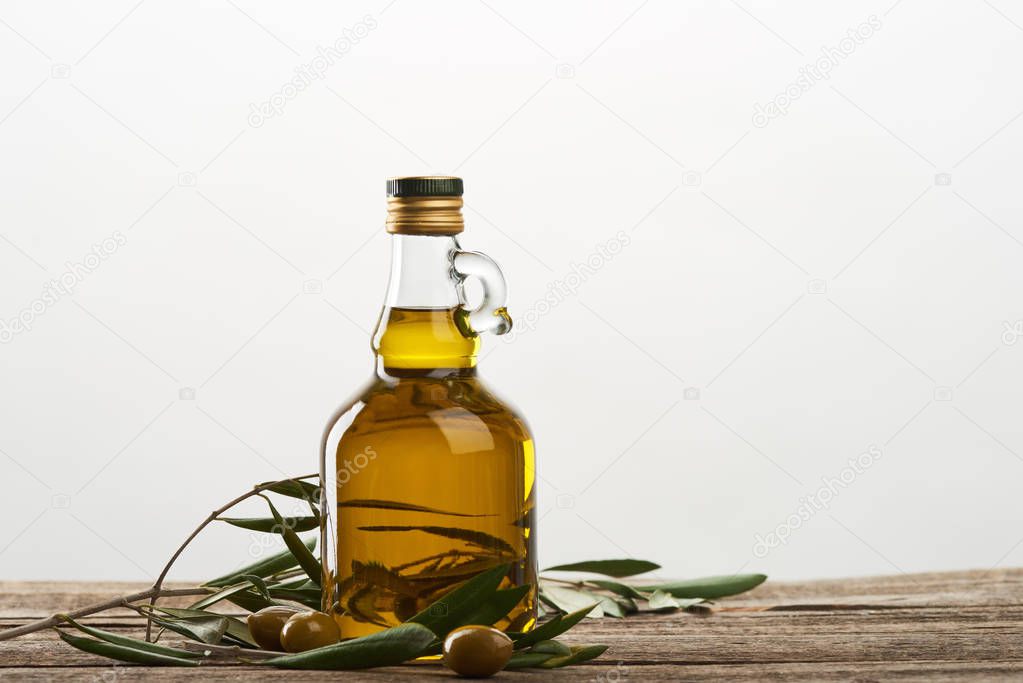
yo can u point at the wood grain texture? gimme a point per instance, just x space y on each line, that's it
923 627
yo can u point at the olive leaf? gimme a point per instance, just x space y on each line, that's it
406 507
628 605
567 599
523 660
477 538
267 567
498 606
709 587
614 608
659 600
294 488
205 629
615 568
622 589
236 628
225 593
124 653
251 601
553 628
489 612
269 524
305 558
309 597
570 599
551 647
386 648
259 584
125 641
292 578
579 654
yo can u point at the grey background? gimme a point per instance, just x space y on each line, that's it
846 276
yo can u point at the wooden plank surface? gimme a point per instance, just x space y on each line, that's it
933 627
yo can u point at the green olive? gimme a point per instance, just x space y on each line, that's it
476 651
266 624
309 630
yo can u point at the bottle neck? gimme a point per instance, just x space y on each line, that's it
418 331
421 272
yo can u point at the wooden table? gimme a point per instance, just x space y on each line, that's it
933 627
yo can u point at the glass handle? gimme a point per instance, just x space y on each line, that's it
490 315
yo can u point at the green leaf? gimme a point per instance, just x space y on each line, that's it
523 660
488 613
293 582
553 628
267 567
386 648
551 647
225 593
236 628
615 568
628 605
579 654
269 524
259 584
135 643
611 607
408 507
124 653
207 630
623 589
451 610
498 606
659 600
470 536
709 587
305 558
295 488
251 601
310 597
570 599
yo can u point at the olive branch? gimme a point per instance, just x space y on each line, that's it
469 583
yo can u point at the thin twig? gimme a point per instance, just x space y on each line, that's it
576 584
122 601
230 652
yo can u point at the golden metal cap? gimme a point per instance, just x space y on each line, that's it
424 205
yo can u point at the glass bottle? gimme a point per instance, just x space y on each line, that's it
428 477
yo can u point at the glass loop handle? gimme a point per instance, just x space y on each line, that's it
490 315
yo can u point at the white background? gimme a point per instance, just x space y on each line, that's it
846 276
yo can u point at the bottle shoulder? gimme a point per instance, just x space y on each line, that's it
443 402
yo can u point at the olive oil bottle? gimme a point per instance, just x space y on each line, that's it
428 477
